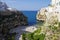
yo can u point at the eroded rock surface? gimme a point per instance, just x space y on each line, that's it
50 13
9 20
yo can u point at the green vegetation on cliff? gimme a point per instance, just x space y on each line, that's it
10 20
44 32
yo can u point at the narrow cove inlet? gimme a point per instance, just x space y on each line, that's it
29 19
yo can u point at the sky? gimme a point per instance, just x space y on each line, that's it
27 4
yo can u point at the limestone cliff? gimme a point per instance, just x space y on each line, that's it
50 13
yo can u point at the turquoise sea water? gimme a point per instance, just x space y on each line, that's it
31 16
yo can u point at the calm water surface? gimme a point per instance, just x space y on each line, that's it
31 16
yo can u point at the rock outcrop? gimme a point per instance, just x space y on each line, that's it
51 13
10 19
3 6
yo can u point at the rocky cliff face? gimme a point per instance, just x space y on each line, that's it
11 19
3 6
50 13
